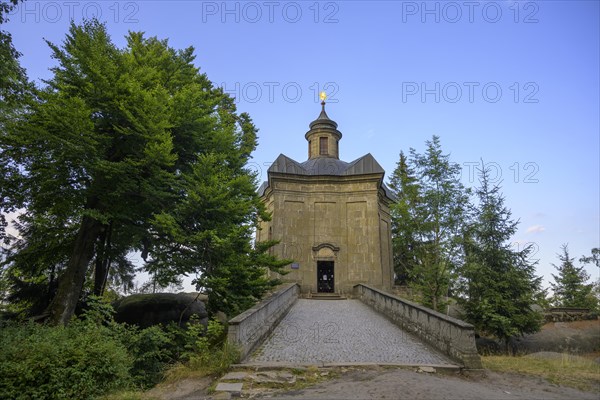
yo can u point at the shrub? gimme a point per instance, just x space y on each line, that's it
152 351
211 352
78 361
94 355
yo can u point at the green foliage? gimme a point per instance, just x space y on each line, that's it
593 258
36 259
441 247
152 349
14 87
570 286
130 149
211 233
93 355
211 352
498 285
80 361
427 221
405 223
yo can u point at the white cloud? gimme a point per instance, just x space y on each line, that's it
535 229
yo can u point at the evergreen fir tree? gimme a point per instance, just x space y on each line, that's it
405 235
440 210
570 285
498 284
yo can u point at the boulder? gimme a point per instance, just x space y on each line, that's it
146 310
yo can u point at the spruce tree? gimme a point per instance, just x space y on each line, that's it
570 285
593 258
498 284
405 224
440 210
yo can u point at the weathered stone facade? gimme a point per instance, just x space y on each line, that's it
331 217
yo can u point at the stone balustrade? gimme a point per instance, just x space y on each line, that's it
250 328
451 336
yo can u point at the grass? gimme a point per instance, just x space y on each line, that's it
211 363
126 396
567 370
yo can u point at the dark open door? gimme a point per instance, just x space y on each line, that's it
325 276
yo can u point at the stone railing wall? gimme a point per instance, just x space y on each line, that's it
451 336
250 328
568 314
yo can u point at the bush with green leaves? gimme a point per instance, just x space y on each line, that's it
152 349
210 351
80 361
94 355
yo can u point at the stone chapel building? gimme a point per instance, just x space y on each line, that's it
331 217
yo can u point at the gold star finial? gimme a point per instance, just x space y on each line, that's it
323 96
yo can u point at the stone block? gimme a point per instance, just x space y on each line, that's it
235 376
233 388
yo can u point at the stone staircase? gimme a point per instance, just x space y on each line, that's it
325 296
246 383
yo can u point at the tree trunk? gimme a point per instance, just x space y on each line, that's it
99 265
71 282
103 257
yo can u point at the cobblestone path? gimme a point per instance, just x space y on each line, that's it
342 331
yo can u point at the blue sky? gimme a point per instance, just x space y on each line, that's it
515 83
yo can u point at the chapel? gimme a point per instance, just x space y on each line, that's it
331 217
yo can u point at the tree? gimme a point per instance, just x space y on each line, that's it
440 213
405 237
593 258
570 287
498 284
119 146
14 86
210 234
15 93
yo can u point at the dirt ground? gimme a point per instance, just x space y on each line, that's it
401 383
407 383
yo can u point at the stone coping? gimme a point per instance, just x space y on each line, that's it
451 336
436 314
265 302
249 329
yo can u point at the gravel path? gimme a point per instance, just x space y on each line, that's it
342 331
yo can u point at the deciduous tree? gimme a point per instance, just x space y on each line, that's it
132 149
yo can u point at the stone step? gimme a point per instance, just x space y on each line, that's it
232 388
325 296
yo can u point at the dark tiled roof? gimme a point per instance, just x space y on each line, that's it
262 188
327 166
